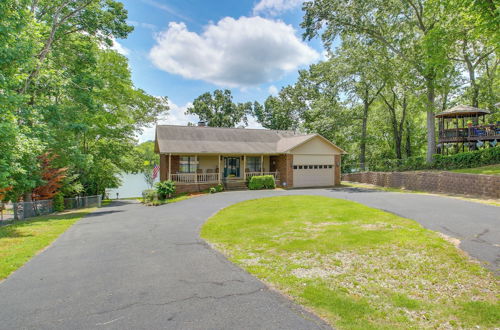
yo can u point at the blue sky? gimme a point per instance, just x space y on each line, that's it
183 48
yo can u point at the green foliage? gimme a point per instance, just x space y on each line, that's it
165 189
149 195
58 202
463 160
281 112
217 188
261 182
219 110
86 109
470 159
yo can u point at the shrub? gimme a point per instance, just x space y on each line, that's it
469 159
165 189
212 190
58 202
262 182
219 187
149 196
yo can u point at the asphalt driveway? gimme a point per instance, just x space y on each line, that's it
127 266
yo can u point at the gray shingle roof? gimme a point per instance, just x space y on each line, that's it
194 139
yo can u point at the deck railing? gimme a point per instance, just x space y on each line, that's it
249 175
486 132
195 177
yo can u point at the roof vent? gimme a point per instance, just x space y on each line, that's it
202 124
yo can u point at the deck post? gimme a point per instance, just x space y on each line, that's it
218 165
169 166
244 167
196 171
261 164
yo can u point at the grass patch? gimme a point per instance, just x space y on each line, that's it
355 266
489 170
21 240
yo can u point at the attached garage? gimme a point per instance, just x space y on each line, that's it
315 163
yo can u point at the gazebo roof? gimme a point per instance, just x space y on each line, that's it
462 111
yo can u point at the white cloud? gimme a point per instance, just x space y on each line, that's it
273 90
175 116
240 52
142 25
120 48
167 9
275 7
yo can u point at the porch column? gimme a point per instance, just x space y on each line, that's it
261 164
244 167
169 166
218 163
196 171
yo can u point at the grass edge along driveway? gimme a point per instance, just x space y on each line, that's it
21 240
355 266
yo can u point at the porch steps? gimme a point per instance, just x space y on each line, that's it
235 185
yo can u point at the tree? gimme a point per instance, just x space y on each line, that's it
281 112
85 109
219 110
147 159
414 30
52 178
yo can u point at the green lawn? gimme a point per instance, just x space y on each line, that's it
489 170
21 240
355 266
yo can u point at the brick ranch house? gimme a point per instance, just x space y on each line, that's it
199 157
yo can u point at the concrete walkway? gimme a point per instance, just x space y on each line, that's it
127 266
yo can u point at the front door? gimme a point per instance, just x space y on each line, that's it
231 167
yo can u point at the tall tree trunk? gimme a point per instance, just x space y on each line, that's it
473 84
362 151
431 123
408 139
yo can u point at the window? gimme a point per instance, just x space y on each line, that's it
294 167
330 166
253 164
187 164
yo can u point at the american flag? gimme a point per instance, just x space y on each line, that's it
156 169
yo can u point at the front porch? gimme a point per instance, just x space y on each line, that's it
199 172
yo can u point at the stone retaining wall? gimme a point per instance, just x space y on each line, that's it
487 186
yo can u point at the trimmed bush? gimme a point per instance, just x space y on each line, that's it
262 182
149 196
477 158
212 190
219 187
165 189
58 202
469 159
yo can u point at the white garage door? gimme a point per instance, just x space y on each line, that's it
313 171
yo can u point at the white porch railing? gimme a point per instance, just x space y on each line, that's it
248 175
195 177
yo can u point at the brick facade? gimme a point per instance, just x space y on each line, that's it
284 165
195 187
337 173
487 186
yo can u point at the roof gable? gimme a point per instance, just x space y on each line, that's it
316 145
